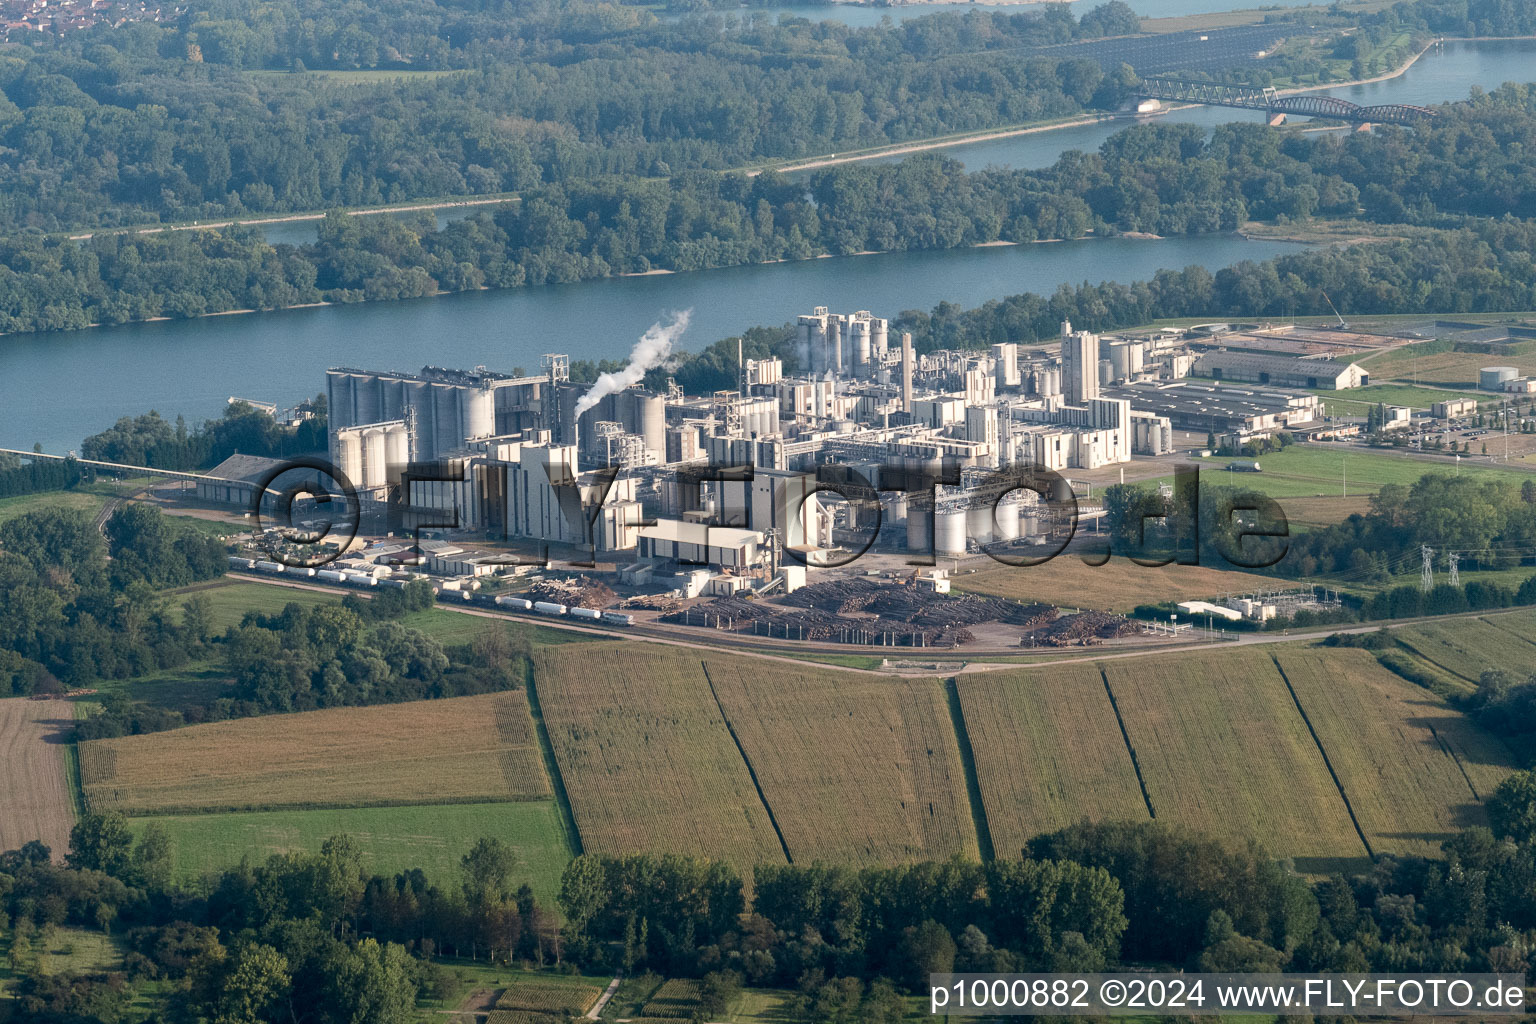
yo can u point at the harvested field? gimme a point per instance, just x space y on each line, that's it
463 749
1223 749
1468 647
1412 767
1116 586
34 791
1048 752
855 769
645 756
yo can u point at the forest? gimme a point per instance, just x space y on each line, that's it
317 930
1457 173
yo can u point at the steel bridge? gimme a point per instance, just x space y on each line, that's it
1268 100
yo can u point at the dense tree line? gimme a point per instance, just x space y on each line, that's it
122 127
1164 179
148 440
69 614
343 653
38 475
316 930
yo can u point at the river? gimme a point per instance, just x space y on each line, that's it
61 387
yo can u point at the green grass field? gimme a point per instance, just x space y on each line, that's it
393 839
1312 470
1358 401
10 508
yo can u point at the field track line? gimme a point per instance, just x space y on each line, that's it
552 769
1126 736
751 772
968 765
1326 763
1459 766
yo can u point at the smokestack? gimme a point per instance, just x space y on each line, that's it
906 372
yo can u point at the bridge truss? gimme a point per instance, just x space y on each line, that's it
1331 108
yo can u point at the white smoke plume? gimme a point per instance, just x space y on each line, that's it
652 348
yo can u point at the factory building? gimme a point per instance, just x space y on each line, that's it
1281 371
1079 365
442 408
673 540
1206 406
854 345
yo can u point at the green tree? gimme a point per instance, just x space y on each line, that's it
371 984
101 842
1512 808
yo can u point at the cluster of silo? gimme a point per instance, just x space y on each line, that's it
365 453
852 345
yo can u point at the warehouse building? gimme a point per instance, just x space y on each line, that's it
1281 371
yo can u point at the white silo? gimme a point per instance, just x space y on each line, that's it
879 340
397 446
653 423
949 522
478 408
1005 518
978 519
375 470
861 347
349 456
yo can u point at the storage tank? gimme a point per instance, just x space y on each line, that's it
586 613
1005 518
393 584
367 399
418 398
1492 378
548 608
522 604
349 456
618 618
448 432
268 566
397 447
341 395
879 341
918 537
478 406
653 423
861 348
359 579
236 562
329 575
374 475
978 520
949 523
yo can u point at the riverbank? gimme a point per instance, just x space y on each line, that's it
296 218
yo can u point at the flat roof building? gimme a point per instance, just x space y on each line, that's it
1281 371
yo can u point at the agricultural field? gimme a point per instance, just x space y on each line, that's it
539 994
1222 748
1447 369
1415 770
35 799
1048 752
645 757
855 768
433 837
458 750
1117 586
1468 647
